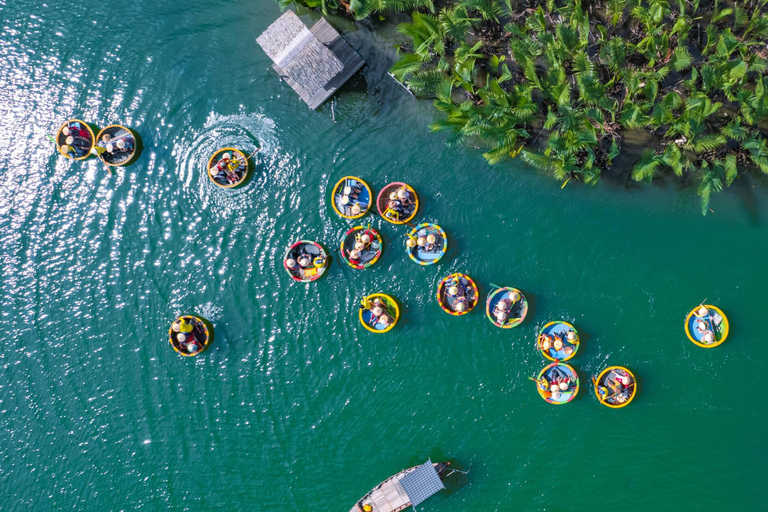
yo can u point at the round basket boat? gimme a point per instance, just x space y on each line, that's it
75 139
461 302
116 145
426 244
401 209
361 247
615 387
189 335
506 307
558 341
351 197
228 167
305 261
557 383
706 326
379 312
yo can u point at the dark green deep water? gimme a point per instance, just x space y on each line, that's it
296 406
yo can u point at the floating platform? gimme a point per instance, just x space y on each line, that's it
315 62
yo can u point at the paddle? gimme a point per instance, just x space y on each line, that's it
95 151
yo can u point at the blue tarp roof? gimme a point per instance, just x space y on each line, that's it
421 483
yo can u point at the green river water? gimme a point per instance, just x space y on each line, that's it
296 406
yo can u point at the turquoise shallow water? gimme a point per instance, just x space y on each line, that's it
296 406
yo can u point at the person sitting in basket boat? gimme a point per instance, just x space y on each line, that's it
395 205
545 341
292 265
460 304
501 311
411 242
431 243
354 256
404 197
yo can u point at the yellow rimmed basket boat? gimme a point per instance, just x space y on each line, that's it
189 335
351 197
558 341
228 167
116 145
615 387
305 261
379 312
426 243
401 209
457 294
557 383
75 139
361 247
707 326
506 307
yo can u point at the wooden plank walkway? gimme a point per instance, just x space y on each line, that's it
314 62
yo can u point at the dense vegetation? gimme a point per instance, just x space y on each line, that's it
562 83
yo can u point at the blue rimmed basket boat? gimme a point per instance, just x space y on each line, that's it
506 307
426 244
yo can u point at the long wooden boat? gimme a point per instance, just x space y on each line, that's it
75 139
116 145
379 312
558 341
189 335
361 247
426 244
305 261
557 383
506 307
397 203
351 197
457 294
410 487
615 387
707 326
228 167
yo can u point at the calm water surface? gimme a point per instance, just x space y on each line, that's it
296 406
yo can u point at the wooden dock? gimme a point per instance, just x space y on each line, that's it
315 62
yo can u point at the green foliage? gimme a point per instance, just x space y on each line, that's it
566 82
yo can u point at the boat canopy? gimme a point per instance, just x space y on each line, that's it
421 483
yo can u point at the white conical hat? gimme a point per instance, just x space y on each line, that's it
411 242
431 238
110 147
359 246
453 290
65 130
393 196
191 347
290 263
377 311
421 241
181 336
347 190
121 144
402 193
553 387
709 337
384 319
501 316
344 200
354 254
571 335
226 156
563 386
556 394
70 140
355 209
545 345
176 327
366 238
514 295
558 344
107 137
377 301
461 306
304 261
502 305
702 311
